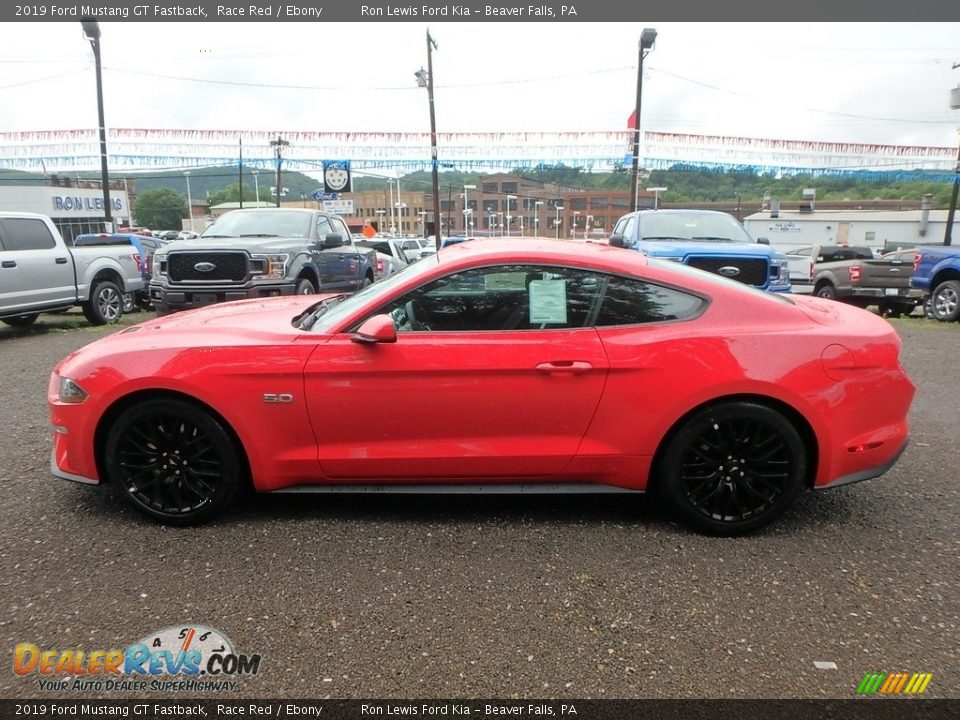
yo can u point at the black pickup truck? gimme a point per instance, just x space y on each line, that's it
260 253
851 274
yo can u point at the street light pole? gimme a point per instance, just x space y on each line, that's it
186 174
508 209
557 223
256 185
278 146
656 196
948 232
573 230
647 38
425 79
91 30
536 217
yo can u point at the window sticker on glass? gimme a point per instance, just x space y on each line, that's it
505 281
548 301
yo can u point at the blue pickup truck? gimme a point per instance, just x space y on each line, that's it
705 239
936 271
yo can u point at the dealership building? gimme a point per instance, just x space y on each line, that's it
75 208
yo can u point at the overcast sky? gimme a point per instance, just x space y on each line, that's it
878 83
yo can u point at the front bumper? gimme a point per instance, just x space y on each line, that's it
168 300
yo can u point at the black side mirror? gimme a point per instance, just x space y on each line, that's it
616 240
333 240
763 241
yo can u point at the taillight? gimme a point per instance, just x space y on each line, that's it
855 273
136 259
916 261
149 265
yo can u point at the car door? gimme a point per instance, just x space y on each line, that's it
496 373
33 270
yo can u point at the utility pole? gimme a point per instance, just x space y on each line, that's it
278 146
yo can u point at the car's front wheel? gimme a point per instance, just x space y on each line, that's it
945 301
732 468
173 461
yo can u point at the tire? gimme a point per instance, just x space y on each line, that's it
945 301
129 303
20 321
172 461
305 286
367 281
733 468
826 291
105 304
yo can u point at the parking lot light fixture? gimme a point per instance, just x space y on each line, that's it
647 38
536 217
557 222
91 31
656 195
186 174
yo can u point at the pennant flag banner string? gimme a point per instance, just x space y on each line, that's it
144 149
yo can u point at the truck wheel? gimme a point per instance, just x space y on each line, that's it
105 304
367 281
129 303
826 291
21 321
945 301
305 287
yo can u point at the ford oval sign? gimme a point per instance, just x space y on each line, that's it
726 271
204 267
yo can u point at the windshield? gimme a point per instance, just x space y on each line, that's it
686 227
261 223
343 309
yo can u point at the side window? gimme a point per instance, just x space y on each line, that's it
502 297
323 227
27 234
625 227
341 229
633 302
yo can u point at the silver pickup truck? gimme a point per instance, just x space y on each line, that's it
40 273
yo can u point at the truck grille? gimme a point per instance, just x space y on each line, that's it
227 266
752 271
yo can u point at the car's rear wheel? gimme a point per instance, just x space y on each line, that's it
945 301
732 468
826 291
105 304
173 461
21 321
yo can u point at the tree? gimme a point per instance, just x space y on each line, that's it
231 193
162 209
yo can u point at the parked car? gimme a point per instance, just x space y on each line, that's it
145 246
704 239
936 273
391 256
257 253
540 366
40 273
187 235
853 275
413 248
166 234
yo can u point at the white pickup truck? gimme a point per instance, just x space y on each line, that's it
40 273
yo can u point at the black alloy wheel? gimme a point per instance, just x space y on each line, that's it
172 461
733 468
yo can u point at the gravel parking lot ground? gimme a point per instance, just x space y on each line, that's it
455 597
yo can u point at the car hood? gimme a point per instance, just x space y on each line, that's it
685 249
257 245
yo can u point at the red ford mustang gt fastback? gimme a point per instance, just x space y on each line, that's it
497 366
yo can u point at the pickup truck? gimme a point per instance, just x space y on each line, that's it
705 239
40 273
936 272
852 275
260 252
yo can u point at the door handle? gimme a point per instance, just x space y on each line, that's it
9 263
61 261
565 366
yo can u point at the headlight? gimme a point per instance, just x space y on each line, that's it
70 392
783 277
271 267
160 265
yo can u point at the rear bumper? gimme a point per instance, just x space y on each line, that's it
865 474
